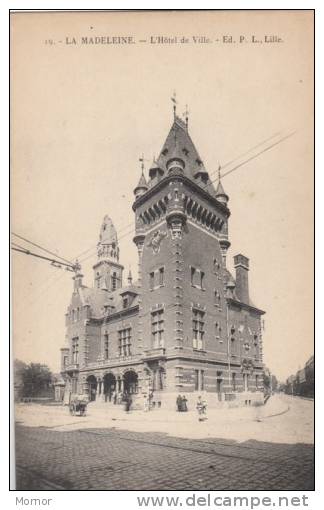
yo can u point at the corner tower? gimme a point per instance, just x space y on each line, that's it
182 238
108 273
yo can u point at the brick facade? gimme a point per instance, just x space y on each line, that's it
186 326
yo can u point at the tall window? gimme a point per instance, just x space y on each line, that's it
196 380
156 278
157 319
199 380
233 381
217 298
124 342
75 350
192 275
161 276
197 278
202 379
198 328
114 281
106 346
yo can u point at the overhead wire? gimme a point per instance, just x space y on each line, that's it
126 234
92 248
41 247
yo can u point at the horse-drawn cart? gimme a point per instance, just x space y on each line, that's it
78 405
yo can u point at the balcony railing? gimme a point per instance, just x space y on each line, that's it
158 352
113 360
71 366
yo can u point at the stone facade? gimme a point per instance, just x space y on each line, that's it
187 325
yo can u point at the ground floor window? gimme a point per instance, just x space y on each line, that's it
246 382
233 381
199 380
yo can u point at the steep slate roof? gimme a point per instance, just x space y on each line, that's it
179 144
142 182
220 189
98 298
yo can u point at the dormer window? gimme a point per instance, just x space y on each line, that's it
125 302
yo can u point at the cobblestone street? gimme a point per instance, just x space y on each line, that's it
111 458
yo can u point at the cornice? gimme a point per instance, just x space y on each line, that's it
197 189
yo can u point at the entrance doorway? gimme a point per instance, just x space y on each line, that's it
246 382
109 381
219 388
130 382
92 387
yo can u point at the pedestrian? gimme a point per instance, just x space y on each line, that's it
128 402
201 408
146 403
179 403
184 404
115 397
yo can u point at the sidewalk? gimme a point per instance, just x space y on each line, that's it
273 422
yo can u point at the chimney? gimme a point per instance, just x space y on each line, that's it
241 265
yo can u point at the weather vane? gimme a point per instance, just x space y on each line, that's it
142 160
186 115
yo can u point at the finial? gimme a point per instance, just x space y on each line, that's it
130 278
186 116
142 163
174 100
142 160
219 174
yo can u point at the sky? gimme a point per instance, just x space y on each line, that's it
83 114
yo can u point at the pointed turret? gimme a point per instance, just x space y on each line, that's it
141 187
220 193
129 278
108 271
107 247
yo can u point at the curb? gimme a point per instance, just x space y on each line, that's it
277 414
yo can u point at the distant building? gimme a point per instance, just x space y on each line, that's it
187 325
302 383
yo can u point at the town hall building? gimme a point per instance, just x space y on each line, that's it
187 325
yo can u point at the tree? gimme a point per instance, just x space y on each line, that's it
36 379
270 381
274 382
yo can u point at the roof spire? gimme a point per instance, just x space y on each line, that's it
130 277
174 100
142 184
220 193
142 159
